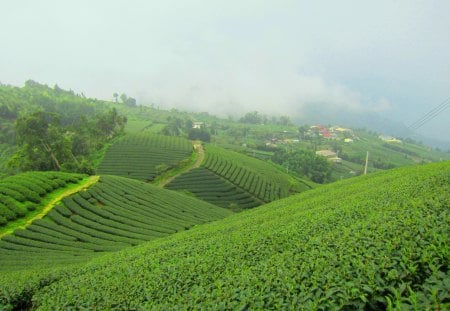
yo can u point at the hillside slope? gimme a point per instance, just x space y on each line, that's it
24 195
367 243
113 214
228 178
143 156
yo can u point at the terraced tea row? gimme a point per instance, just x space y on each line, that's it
230 179
144 156
25 192
211 188
114 213
257 177
370 243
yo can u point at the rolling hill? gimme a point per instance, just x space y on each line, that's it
24 195
112 214
372 242
143 156
228 178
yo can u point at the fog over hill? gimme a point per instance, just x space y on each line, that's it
353 57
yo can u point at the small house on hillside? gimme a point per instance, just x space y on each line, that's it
198 125
389 139
330 155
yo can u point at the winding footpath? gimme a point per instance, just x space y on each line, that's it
198 148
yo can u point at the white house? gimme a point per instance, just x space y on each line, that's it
198 125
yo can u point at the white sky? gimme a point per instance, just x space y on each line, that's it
389 56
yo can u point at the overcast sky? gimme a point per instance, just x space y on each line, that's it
388 56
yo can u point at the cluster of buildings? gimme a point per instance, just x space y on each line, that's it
334 132
331 133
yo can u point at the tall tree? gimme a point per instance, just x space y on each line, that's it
40 134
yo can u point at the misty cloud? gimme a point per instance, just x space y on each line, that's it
383 105
389 57
234 93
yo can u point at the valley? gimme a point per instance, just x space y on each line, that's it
144 208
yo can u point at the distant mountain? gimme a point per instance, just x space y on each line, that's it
312 114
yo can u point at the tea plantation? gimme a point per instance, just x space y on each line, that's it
210 187
23 193
368 243
114 213
229 178
143 156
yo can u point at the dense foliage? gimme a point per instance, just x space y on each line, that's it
374 242
254 117
114 213
54 129
23 193
305 163
199 134
144 156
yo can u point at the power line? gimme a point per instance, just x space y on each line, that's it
430 115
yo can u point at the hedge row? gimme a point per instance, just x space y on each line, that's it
23 193
114 213
257 177
144 156
377 242
210 187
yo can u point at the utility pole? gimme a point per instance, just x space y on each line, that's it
367 162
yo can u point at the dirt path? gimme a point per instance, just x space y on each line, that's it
200 155
91 180
198 148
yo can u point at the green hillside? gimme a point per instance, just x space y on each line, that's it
373 242
384 155
143 156
228 178
114 213
210 187
24 195
46 128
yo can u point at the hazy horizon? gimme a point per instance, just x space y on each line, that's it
277 57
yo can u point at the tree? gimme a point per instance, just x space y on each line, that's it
116 96
252 118
129 101
199 134
110 123
54 129
305 163
285 120
302 131
124 98
40 135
